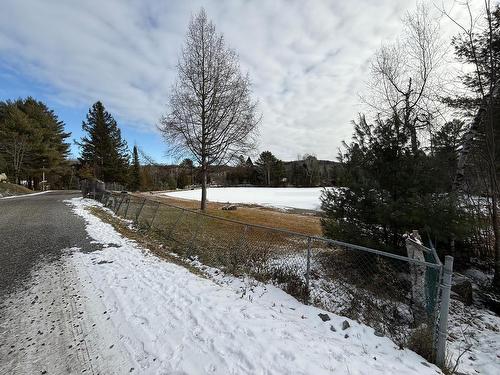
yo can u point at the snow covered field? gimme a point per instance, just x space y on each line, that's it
302 198
169 320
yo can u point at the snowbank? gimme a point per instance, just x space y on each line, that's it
25 195
172 321
474 339
302 198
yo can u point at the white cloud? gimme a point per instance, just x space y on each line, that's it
307 59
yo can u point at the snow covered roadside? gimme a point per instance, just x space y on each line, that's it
284 198
25 195
172 321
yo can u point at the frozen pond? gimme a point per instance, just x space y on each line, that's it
302 198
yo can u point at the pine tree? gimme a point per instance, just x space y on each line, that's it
390 191
446 143
185 176
50 153
32 141
270 169
103 148
135 175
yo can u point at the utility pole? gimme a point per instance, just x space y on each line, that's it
43 178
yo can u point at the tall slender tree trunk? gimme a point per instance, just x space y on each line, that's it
204 171
496 233
414 141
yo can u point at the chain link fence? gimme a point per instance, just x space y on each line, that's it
397 295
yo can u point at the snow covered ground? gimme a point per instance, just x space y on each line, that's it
302 198
161 318
474 339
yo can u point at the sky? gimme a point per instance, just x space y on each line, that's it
308 61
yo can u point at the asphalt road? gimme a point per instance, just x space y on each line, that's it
33 229
44 327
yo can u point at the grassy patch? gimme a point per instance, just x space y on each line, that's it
7 189
302 223
421 342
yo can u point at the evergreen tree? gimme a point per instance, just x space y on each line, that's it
32 142
270 169
185 175
135 175
50 153
103 148
17 138
250 172
445 147
390 191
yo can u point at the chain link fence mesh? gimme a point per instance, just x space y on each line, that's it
395 295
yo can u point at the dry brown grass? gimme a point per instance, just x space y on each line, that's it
305 223
7 189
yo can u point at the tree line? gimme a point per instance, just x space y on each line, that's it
268 170
33 143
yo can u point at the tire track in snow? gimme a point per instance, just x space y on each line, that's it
41 332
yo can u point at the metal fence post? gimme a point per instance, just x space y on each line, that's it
114 203
190 246
154 215
308 268
443 310
139 212
105 199
119 205
241 241
179 218
126 210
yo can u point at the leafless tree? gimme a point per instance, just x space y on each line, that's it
311 168
145 158
212 115
404 74
15 133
